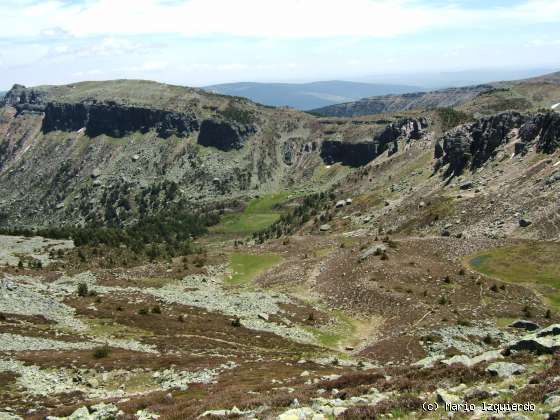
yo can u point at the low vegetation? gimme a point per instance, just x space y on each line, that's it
529 263
246 267
451 118
287 223
259 214
166 234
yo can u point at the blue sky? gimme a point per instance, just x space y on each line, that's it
199 42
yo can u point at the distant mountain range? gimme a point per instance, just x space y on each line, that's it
305 96
447 79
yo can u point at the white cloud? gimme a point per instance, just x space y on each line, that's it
260 18
146 67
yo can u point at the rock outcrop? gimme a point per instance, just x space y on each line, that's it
116 120
469 146
350 154
224 135
545 129
361 153
23 98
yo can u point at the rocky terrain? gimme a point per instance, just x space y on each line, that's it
396 265
396 103
524 95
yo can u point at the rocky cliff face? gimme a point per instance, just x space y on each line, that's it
58 145
545 128
116 120
97 118
224 135
351 154
469 146
360 153
19 96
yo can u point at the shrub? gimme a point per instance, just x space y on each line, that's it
142 311
82 289
156 309
101 352
451 118
199 261
236 322
488 340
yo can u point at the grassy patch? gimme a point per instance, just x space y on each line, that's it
504 321
530 263
341 334
259 214
109 328
246 267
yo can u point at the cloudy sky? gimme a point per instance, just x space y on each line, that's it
199 42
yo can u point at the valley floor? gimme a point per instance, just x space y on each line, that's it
315 325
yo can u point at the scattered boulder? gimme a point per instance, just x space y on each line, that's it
524 324
348 201
373 250
505 370
340 203
553 329
234 412
447 398
429 362
553 400
325 228
525 223
466 185
146 415
539 345
263 316
297 414
472 361
99 411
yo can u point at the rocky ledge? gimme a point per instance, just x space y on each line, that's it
361 153
471 145
224 135
116 120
